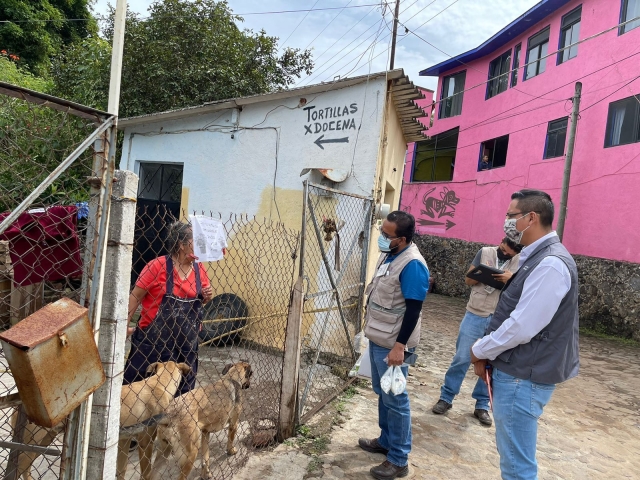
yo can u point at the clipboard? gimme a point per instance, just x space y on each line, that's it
484 275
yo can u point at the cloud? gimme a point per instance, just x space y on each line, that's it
461 27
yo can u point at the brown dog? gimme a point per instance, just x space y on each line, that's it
192 417
139 402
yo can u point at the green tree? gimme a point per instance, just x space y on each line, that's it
185 53
38 29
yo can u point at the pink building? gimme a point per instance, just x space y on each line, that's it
500 102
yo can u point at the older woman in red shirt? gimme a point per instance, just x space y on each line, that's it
172 290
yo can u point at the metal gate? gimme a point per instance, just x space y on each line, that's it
336 230
55 192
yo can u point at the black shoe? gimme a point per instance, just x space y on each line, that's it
133 445
388 471
441 407
371 446
483 416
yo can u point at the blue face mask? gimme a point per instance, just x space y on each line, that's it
384 244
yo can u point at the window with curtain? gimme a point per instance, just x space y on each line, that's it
630 10
451 97
537 49
499 75
569 34
435 158
556 138
516 64
623 122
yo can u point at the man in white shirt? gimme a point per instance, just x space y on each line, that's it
531 342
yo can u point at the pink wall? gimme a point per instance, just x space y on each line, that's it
603 208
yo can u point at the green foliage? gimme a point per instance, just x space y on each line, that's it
38 29
81 72
11 73
186 53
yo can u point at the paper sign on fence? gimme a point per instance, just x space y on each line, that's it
209 238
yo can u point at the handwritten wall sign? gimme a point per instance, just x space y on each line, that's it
337 118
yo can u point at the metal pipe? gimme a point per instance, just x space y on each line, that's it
340 192
364 264
66 163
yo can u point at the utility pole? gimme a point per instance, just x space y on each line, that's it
394 35
568 160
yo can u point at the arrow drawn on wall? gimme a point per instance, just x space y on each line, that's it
319 141
425 223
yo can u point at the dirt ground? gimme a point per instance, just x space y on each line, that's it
589 430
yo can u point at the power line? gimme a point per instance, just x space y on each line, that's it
316 75
530 63
300 23
245 14
442 11
327 26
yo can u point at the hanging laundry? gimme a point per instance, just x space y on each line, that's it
44 245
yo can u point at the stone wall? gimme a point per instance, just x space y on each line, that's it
609 290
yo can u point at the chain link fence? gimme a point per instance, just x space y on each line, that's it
218 341
49 194
336 227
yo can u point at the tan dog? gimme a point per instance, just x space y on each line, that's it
34 435
192 417
139 402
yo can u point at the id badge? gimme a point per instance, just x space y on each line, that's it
382 271
489 289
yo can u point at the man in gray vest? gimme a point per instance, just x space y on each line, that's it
532 339
482 303
393 319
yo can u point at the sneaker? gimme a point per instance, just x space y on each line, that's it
388 471
371 446
483 416
441 407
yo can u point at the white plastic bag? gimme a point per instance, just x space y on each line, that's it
387 380
362 368
399 383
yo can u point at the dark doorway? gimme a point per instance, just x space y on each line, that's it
159 195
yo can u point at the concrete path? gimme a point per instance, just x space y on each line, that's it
590 430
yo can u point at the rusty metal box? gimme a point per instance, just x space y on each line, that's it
54 360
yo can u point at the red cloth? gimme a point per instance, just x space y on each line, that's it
153 279
44 245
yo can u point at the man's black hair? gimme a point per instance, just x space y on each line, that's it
536 201
405 224
516 247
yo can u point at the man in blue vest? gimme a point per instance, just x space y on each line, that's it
531 342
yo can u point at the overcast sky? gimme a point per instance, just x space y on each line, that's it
459 26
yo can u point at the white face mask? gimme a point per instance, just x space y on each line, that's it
511 231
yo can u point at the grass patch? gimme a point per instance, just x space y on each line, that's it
596 333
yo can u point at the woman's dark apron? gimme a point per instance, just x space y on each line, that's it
171 336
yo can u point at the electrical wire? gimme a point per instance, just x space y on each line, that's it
327 26
300 23
244 14
315 75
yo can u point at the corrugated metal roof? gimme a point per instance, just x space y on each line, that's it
403 90
516 28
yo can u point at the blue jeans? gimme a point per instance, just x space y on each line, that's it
471 329
517 405
394 414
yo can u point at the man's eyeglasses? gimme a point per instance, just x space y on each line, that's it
514 214
388 237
